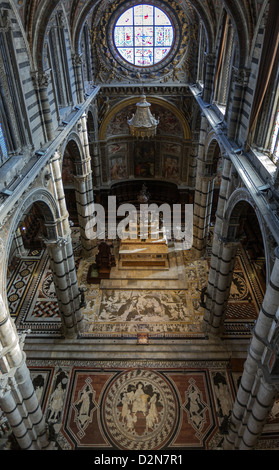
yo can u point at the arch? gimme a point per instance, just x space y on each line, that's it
152 100
74 143
50 212
236 11
23 32
87 10
42 22
92 123
239 202
260 23
207 23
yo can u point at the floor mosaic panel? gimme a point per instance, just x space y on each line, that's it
31 293
160 312
147 406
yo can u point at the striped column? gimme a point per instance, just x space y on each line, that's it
77 64
42 86
62 260
84 191
222 261
192 164
96 165
255 396
85 209
18 399
199 193
240 82
262 403
55 165
19 243
209 77
63 269
202 211
219 285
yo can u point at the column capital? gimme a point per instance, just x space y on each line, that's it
226 241
41 79
241 76
56 243
210 57
77 59
207 177
81 178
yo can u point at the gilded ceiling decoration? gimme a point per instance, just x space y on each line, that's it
110 67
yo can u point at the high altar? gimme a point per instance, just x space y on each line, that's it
150 250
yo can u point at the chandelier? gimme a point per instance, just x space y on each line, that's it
143 123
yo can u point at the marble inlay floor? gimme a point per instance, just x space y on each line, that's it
112 405
159 303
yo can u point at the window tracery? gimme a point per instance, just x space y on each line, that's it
143 35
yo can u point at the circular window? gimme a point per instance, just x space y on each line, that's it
143 35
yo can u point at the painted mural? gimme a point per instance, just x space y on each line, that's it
68 170
118 168
170 167
169 124
144 159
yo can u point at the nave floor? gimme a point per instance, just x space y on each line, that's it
143 402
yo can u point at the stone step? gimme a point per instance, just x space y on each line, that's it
128 350
145 284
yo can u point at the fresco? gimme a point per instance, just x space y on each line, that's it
144 159
118 168
170 167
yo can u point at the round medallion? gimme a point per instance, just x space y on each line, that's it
239 289
48 287
24 272
19 284
13 298
140 411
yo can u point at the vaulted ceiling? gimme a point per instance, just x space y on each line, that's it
36 15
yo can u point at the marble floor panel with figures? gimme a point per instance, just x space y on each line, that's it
141 405
130 303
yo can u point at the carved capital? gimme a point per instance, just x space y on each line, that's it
41 80
5 22
77 60
241 76
58 243
209 58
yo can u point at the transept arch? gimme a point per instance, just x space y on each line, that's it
152 100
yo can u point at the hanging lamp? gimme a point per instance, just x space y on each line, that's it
143 124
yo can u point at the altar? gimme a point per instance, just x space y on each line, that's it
139 253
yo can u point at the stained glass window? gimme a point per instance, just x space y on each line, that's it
3 147
275 139
143 35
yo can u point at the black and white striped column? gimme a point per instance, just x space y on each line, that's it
18 399
240 81
62 260
63 269
222 261
201 195
41 81
77 65
21 251
255 394
84 192
202 211
219 285
210 59
85 210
